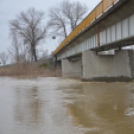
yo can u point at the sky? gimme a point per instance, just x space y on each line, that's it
10 8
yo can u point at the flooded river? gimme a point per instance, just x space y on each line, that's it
65 106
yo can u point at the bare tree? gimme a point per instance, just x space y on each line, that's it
3 58
74 12
66 14
28 26
14 50
58 21
17 50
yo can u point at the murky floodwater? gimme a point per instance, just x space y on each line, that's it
64 106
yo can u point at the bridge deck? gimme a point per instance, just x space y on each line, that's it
113 29
98 11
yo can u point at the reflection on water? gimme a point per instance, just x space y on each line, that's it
106 108
62 106
27 109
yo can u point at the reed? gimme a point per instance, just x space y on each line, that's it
28 70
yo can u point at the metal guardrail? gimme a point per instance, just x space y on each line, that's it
96 12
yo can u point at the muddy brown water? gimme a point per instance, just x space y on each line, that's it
65 106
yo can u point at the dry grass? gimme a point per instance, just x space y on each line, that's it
29 70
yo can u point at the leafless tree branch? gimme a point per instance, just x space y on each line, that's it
3 58
66 14
28 26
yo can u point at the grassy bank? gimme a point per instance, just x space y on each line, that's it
29 70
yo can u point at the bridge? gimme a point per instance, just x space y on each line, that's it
110 26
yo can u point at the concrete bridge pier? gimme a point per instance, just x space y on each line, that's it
71 68
93 67
118 67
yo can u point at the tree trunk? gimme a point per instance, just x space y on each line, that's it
65 32
34 55
72 25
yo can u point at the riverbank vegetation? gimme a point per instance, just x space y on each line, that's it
30 70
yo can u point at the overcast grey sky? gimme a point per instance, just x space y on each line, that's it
10 8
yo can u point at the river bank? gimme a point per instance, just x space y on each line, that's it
29 70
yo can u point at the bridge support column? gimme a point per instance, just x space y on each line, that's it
119 67
71 68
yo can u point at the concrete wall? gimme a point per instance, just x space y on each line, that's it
119 67
71 68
